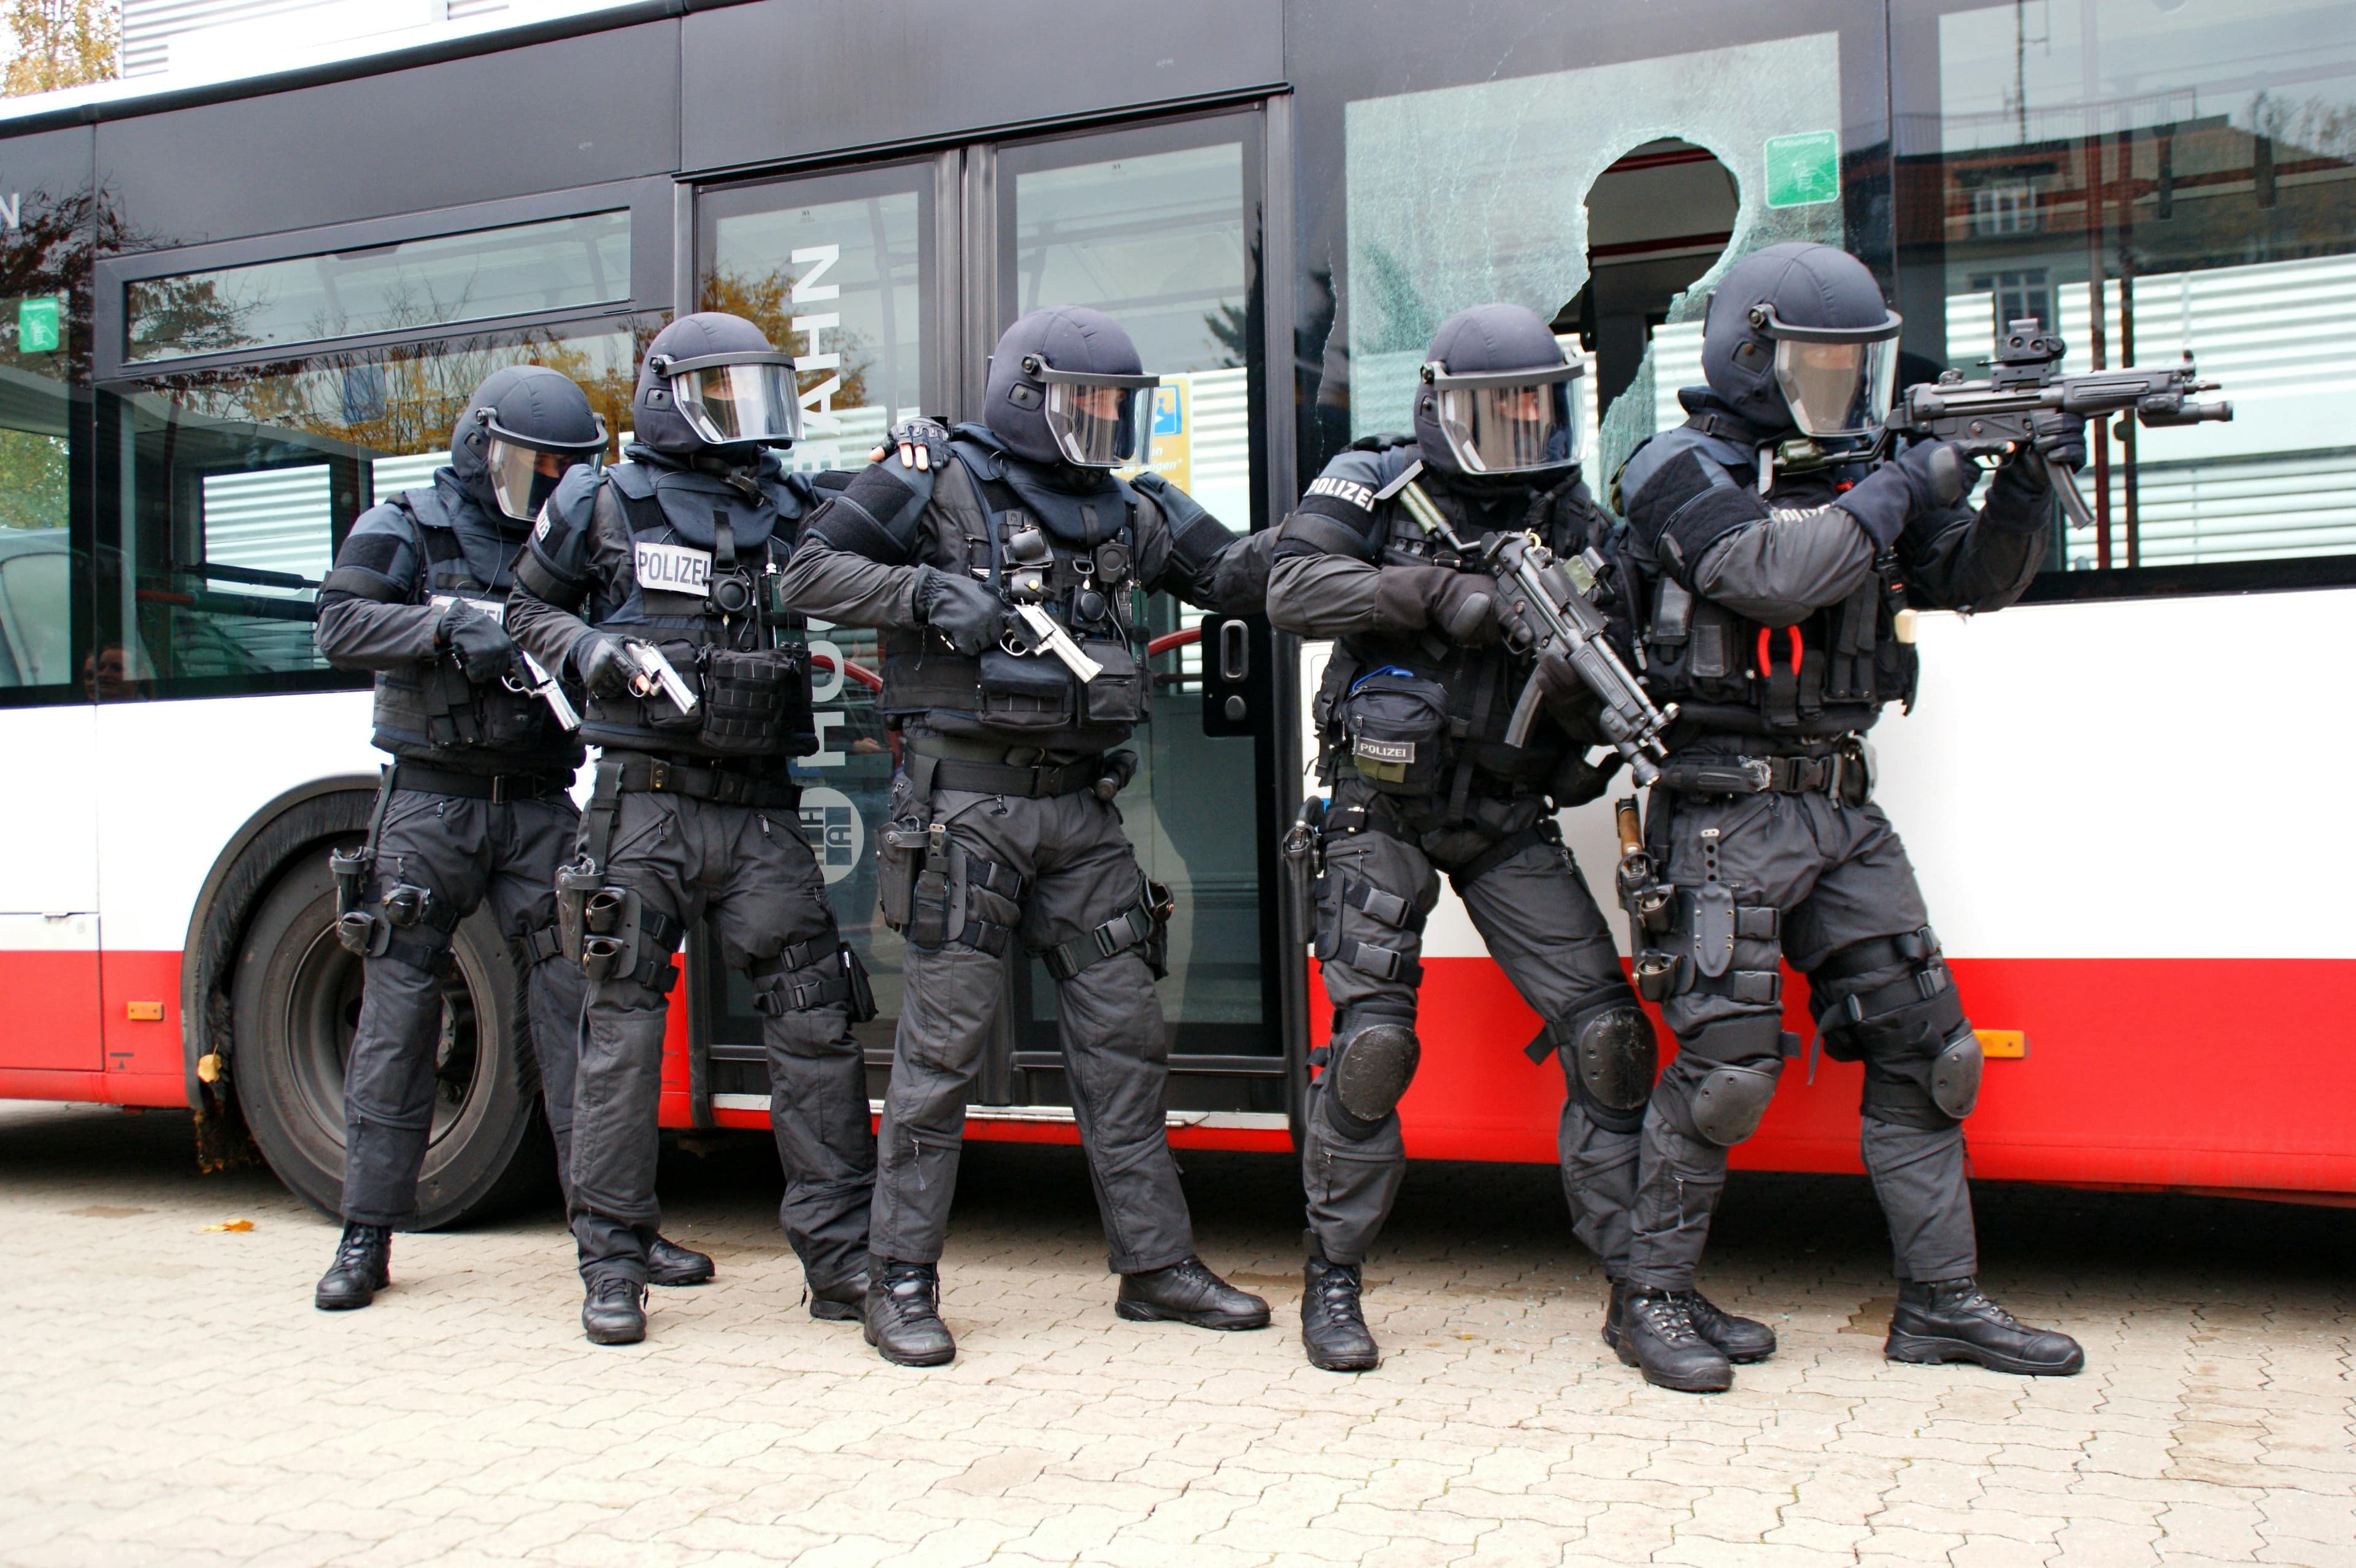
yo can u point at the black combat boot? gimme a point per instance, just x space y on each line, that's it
1332 1323
903 1315
1741 1340
1953 1320
843 1303
668 1262
1188 1292
614 1311
1657 1333
363 1267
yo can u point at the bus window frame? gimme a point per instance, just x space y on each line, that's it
648 202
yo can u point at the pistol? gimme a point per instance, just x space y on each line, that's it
654 673
529 679
1047 637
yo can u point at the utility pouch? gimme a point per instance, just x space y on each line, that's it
899 850
1026 691
351 868
1395 733
1118 696
754 703
365 932
575 883
861 1004
609 943
1161 903
407 905
1655 975
928 908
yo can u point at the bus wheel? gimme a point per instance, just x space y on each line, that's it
296 1002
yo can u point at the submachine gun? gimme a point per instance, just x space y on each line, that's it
1548 606
1990 418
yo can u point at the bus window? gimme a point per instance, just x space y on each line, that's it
2152 179
36 557
237 485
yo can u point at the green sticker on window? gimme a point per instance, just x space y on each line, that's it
37 324
1803 170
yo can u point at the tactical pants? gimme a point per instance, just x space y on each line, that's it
748 867
1542 926
463 851
1837 877
1081 872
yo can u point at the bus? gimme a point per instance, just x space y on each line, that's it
237 315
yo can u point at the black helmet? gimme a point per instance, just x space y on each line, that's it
1494 399
1067 386
1798 335
711 380
518 420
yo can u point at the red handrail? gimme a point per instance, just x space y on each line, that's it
853 669
1177 639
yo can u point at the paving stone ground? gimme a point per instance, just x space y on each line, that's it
169 1395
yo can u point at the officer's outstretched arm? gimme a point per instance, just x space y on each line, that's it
1186 551
1723 541
366 619
578 556
858 559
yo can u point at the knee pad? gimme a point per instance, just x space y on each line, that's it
1610 1055
1367 1071
1720 1084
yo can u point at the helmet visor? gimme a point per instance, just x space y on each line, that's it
522 476
750 399
1510 423
1101 424
1837 389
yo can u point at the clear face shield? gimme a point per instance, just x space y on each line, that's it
1509 421
1836 380
1098 420
730 399
523 474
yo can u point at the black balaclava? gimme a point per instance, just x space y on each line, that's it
1809 285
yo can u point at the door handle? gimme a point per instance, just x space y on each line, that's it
1234 651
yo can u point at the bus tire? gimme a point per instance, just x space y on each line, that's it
295 1000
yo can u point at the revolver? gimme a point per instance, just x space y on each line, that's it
531 679
654 673
1044 635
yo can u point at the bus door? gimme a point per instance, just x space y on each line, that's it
890 284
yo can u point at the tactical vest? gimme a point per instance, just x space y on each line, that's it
430 712
1075 557
705 557
1476 686
1828 675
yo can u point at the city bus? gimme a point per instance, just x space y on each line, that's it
236 316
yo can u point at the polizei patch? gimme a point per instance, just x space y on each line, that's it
671 568
1359 495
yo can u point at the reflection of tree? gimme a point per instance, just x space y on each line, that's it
61 43
1231 332
187 315
767 303
1407 320
33 480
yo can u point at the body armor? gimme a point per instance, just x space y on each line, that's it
1073 553
430 712
706 550
1829 674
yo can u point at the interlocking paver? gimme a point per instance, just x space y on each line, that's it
172 1397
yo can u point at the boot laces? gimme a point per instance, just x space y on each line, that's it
1969 1297
1337 1296
616 1291
353 1251
1665 1316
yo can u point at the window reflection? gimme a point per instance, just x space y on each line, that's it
238 484
517 270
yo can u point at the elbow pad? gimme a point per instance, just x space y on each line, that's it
875 513
1196 538
1686 508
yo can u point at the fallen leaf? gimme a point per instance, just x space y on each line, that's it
229 1225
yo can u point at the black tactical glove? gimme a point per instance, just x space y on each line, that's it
480 644
1460 605
2055 437
923 443
965 614
602 665
1926 476
1577 781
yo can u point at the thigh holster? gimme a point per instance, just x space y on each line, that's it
624 940
943 878
406 923
1336 891
823 972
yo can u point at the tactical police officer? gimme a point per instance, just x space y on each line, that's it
1003 563
1414 714
474 804
653 582
1766 569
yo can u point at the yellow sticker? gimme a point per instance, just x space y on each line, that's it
2003 1044
143 1012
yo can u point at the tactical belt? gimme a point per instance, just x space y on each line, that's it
724 787
776 995
496 788
1840 774
1348 819
1038 782
1132 927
